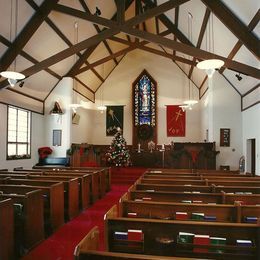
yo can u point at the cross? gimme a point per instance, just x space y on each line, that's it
178 114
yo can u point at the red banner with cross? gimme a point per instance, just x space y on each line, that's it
176 121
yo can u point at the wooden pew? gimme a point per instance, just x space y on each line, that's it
83 189
71 193
197 188
6 229
105 177
87 248
53 193
219 198
176 188
31 229
83 180
172 181
167 210
157 232
95 186
168 196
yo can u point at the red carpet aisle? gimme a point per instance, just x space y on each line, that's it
61 244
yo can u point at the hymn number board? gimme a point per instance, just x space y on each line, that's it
225 137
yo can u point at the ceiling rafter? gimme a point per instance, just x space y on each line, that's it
141 45
97 38
26 33
84 85
97 29
58 32
176 22
88 52
201 34
235 25
107 58
253 23
29 57
192 51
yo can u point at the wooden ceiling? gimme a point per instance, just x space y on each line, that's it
49 46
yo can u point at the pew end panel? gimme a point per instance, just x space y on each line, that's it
6 228
89 242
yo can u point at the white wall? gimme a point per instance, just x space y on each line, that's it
117 90
251 130
63 94
37 141
223 110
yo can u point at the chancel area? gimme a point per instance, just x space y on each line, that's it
129 129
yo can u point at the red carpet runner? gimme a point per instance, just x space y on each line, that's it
61 244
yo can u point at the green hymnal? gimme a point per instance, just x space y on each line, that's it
185 237
217 241
197 216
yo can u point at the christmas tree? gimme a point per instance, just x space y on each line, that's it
118 154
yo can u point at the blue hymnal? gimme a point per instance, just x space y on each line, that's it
241 242
120 235
251 219
210 218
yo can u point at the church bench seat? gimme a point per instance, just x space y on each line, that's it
29 229
87 248
83 180
6 228
197 188
155 232
53 194
166 210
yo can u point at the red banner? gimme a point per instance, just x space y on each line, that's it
176 120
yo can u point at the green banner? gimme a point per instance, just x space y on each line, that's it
114 119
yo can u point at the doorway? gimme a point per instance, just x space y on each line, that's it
251 155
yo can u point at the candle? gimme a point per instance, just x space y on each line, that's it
162 146
139 148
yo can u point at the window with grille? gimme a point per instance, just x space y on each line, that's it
18 133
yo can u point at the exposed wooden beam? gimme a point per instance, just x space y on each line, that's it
98 30
26 33
131 22
141 46
253 23
120 4
66 53
29 57
171 26
176 22
235 25
103 60
202 32
192 51
84 85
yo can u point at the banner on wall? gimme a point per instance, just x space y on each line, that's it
176 121
114 119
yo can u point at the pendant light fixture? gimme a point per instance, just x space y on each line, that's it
75 105
210 65
101 107
189 102
13 76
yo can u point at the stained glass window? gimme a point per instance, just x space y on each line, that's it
144 101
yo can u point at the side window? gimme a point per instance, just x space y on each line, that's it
18 133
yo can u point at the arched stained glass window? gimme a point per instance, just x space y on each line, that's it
144 101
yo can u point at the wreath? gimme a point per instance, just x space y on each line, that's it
145 132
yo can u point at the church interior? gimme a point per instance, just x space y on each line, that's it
129 129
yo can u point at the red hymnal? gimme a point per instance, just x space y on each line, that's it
181 216
201 240
135 235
